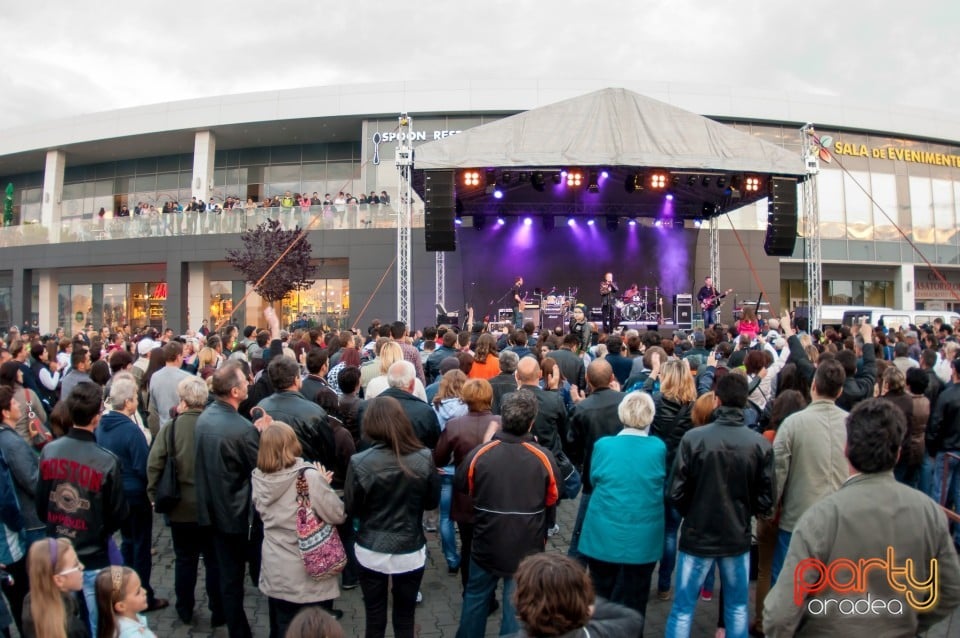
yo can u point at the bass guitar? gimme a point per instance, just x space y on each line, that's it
713 301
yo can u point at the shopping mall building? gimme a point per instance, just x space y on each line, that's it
894 176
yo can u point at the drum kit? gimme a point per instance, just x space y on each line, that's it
641 307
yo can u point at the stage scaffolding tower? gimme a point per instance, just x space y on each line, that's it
404 217
714 250
811 224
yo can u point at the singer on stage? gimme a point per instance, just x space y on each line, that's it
516 300
608 298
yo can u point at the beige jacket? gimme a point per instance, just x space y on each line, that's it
867 515
808 454
282 574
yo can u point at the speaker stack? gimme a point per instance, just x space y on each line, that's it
439 212
781 217
683 311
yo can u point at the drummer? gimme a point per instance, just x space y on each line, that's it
631 292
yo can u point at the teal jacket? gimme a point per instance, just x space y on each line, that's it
625 517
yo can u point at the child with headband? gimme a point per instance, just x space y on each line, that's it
120 599
51 609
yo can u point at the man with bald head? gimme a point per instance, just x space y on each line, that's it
401 379
550 426
594 417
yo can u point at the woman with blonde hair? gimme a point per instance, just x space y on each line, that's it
280 467
486 364
50 610
207 360
390 353
673 402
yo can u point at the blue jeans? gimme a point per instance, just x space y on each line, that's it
668 561
779 555
448 535
573 551
90 597
476 604
735 580
947 469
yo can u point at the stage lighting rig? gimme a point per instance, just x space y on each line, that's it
538 181
658 180
471 179
752 184
593 183
574 178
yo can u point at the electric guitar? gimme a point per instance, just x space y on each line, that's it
713 301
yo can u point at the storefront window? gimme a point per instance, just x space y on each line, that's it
326 303
221 301
114 305
148 305
75 307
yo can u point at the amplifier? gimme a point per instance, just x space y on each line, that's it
682 299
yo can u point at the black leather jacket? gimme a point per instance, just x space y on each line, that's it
388 501
227 446
943 432
593 418
80 495
309 422
671 421
722 476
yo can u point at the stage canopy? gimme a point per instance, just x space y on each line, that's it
631 153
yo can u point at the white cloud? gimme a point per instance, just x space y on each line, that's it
72 57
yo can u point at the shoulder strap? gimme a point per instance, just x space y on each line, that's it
171 437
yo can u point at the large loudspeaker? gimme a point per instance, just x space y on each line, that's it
552 320
531 314
439 211
781 217
683 314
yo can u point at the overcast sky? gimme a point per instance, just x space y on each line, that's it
60 58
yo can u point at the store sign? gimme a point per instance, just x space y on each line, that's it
932 287
897 154
415 136
160 291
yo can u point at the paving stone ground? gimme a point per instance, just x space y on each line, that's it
439 614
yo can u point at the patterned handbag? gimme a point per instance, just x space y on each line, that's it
320 546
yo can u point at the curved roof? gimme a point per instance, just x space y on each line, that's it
610 127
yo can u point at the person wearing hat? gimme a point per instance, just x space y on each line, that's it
581 327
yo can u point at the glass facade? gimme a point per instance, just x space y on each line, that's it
221 301
840 293
326 303
135 304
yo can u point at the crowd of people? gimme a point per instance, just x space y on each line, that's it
316 462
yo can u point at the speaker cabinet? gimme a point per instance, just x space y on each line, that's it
531 314
781 217
552 320
683 315
439 212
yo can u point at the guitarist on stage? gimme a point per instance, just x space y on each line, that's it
516 300
709 299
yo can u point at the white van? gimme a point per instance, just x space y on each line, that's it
890 318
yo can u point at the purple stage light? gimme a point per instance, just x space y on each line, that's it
571 222
527 221
590 222
604 175
501 221
669 197
498 194
633 222
458 221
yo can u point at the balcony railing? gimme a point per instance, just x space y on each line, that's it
236 220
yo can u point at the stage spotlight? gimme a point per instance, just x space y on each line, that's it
506 177
691 180
697 223
593 185
633 221
721 182
658 180
527 221
633 183
669 197
570 222
501 221
491 176
498 194
752 184
548 222
524 177
479 221
537 181
705 181
557 177
471 179
613 223
590 221
458 221
574 179
675 180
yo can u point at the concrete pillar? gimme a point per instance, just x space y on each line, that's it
905 288
177 278
198 295
204 150
51 203
21 293
48 296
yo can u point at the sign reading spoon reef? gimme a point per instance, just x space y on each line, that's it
900 154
